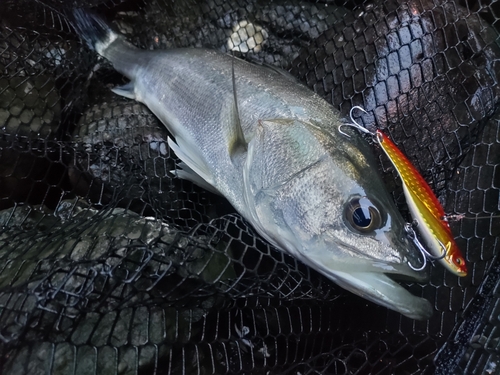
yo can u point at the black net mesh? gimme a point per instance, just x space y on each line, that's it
110 264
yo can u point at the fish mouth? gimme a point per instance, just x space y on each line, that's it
400 272
404 269
382 290
374 281
422 277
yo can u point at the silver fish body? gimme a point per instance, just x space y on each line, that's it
272 148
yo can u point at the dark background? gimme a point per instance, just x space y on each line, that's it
110 264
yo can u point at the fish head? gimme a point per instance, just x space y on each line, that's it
318 195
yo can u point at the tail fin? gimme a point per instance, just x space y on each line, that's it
95 31
98 34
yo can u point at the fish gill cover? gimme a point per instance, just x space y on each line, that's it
112 265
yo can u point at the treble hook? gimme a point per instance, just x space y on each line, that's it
411 233
355 124
445 252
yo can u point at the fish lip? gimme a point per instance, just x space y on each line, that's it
423 277
397 271
384 292
391 270
375 286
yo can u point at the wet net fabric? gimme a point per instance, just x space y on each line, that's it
110 264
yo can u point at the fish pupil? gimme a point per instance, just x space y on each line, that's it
362 217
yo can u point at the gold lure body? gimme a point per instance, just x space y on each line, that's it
425 209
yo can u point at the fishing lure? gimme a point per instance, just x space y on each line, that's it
424 207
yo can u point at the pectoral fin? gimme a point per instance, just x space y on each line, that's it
237 144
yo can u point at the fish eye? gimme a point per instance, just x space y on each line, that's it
362 215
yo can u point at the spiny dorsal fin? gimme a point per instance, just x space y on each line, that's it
281 72
238 144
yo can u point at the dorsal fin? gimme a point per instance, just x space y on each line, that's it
238 144
281 72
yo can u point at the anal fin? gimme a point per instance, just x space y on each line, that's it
195 165
187 173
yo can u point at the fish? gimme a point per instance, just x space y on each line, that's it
425 209
270 146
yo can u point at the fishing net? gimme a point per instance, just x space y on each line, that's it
110 264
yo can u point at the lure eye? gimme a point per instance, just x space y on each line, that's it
459 261
362 215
